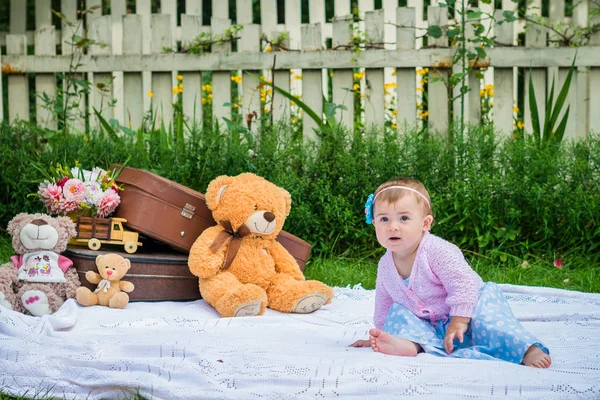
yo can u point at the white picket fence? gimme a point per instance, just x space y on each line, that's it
136 62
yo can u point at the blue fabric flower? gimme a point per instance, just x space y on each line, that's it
369 209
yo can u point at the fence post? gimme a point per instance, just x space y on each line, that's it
406 87
343 79
18 84
312 81
18 18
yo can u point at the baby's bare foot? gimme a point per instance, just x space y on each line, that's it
385 343
535 357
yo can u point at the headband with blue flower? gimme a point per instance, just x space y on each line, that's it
371 200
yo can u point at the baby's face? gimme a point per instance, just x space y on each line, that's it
400 226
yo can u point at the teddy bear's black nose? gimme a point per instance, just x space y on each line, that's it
269 216
39 222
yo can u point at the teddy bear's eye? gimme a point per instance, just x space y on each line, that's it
107 267
114 269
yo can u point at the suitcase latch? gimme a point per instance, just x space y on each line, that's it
188 211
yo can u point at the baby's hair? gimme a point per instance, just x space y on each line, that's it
394 194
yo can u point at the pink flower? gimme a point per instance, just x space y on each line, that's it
559 263
50 193
74 190
108 203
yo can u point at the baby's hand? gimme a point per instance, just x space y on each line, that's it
456 329
361 343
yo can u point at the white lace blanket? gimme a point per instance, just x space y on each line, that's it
175 350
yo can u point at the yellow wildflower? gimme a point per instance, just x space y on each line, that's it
394 112
482 92
297 77
294 120
420 71
419 89
394 72
356 87
491 92
520 125
491 104
210 95
393 126
389 85
150 93
423 114
263 99
236 106
426 70
203 100
268 48
516 109
489 87
237 78
179 77
419 105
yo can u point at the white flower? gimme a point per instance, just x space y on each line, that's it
93 193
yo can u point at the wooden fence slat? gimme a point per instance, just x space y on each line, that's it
117 10
535 37
268 16
594 84
77 104
312 81
18 18
1 91
45 83
96 13
162 82
18 84
43 14
220 9
221 80
374 91
343 78
342 9
438 93
503 82
281 79
133 93
244 12
250 42
194 7
100 30
191 27
406 86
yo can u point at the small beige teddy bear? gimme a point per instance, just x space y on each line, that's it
111 289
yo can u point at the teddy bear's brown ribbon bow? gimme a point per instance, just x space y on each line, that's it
229 235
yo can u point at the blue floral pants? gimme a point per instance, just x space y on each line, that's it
494 331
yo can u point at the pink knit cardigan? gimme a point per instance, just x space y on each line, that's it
441 283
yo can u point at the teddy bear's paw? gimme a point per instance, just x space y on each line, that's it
4 302
36 302
310 303
248 309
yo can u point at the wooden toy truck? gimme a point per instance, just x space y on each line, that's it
95 231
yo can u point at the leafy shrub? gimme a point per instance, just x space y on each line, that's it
490 195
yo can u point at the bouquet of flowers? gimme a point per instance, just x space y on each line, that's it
76 191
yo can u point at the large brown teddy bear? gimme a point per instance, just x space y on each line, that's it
242 268
111 289
38 279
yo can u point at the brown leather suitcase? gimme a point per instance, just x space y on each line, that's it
176 215
157 273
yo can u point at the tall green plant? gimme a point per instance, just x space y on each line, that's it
548 135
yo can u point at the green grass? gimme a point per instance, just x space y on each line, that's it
578 273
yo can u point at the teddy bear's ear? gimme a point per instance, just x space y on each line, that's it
68 225
97 258
216 189
14 225
127 262
288 200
